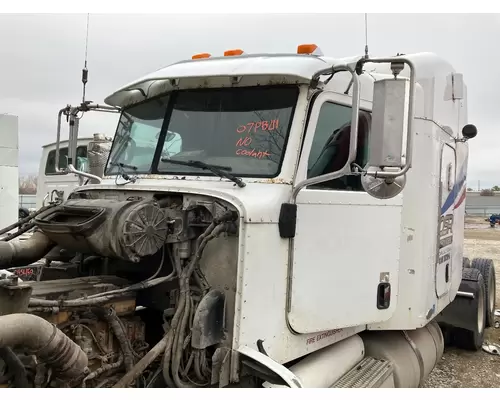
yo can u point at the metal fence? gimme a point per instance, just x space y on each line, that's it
481 211
27 200
482 206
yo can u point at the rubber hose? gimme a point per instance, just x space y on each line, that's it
25 219
19 232
44 340
19 253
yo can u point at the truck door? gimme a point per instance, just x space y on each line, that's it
448 196
345 257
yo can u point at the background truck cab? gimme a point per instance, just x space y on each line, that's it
48 180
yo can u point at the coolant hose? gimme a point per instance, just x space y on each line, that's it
44 340
19 253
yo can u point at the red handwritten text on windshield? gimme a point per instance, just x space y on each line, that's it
252 153
254 127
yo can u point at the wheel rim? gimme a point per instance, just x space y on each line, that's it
492 293
480 311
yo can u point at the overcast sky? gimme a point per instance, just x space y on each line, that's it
41 57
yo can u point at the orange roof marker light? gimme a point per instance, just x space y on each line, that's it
235 52
310 49
201 55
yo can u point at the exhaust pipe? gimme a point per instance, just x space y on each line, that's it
45 341
19 253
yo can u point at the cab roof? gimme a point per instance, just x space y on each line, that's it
282 68
64 143
255 69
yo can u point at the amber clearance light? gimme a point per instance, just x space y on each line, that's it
235 52
311 49
201 55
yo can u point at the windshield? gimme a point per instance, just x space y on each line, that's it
243 129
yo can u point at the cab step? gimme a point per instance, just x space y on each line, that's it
368 373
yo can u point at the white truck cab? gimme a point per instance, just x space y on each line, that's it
309 210
49 181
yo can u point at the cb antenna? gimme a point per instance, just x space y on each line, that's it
366 36
85 71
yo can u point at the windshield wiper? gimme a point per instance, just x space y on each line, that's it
122 173
216 169
115 164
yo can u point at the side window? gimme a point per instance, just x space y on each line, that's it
327 138
82 162
81 159
172 144
136 137
50 167
330 147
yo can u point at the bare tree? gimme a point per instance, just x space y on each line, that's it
27 184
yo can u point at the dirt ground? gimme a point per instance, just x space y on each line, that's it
465 369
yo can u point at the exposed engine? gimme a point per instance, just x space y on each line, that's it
133 284
128 230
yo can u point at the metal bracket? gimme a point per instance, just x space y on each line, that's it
284 373
466 294
418 354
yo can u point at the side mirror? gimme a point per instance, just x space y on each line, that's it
387 164
389 123
469 131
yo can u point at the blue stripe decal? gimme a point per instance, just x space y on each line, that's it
452 197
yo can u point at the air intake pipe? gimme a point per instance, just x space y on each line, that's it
18 253
47 342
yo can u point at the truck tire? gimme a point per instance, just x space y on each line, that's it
472 281
466 263
487 269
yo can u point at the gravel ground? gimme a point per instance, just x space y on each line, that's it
465 369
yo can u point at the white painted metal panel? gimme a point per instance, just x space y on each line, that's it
345 242
261 298
9 171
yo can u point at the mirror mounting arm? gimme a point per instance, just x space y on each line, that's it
71 114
